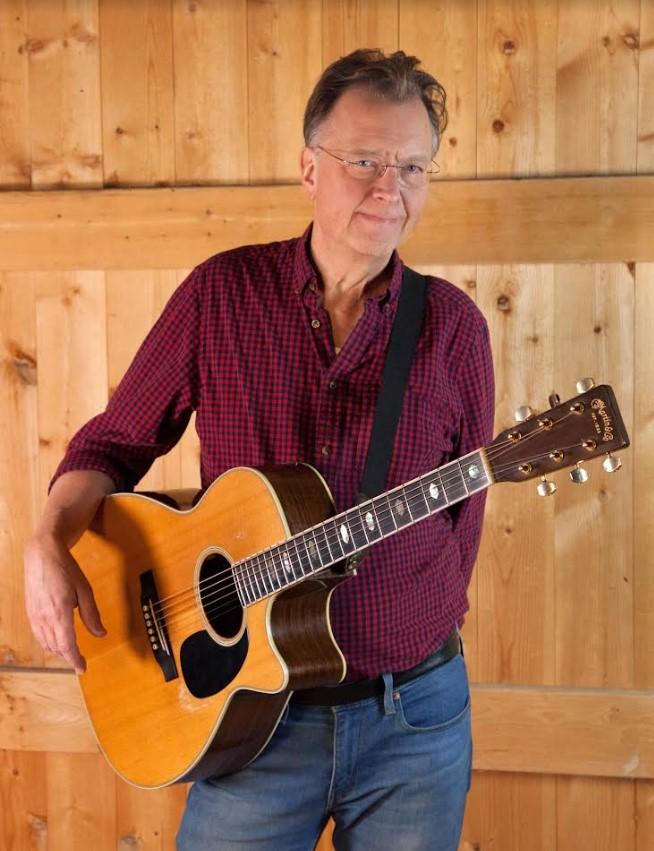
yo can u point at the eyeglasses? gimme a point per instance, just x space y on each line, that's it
410 175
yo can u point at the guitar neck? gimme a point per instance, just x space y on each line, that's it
352 531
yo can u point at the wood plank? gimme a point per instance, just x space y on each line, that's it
550 220
443 36
596 813
211 92
348 25
594 594
531 729
517 62
283 65
15 153
65 119
136 46
645 161
643 466
19 500
23 801
597 87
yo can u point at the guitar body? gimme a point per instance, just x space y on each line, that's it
210 704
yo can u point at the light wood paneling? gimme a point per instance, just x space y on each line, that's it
137 93
353 24
15 158
65 121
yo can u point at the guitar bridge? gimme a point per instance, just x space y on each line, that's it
155 626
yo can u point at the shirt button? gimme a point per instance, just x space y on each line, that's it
332 385
325 450
315 323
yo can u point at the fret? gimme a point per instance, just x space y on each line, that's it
358 527
322 546
435 496
345 535
372 522
473 472
256 575
241 590
397 501
303 556
453 484
385 514
417 502
334 541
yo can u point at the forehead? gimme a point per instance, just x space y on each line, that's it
361 120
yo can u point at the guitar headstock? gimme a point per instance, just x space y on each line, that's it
584 427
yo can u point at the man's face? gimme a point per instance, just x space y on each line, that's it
369 216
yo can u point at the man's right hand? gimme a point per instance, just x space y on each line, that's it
54 586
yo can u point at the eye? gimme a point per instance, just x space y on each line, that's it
413 169
366 165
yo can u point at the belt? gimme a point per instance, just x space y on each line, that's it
361 689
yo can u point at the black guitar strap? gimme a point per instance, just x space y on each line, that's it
399 356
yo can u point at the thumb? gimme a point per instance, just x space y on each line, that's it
88 610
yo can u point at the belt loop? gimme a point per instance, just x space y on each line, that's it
458 632
389 705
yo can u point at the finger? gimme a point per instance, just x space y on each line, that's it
67 644
88 609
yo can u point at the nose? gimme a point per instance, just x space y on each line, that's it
388 183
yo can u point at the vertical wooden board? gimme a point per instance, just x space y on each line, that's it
517 62
465 278
597 87
23 801
81 802
72 362
64 99
515 580
15 155
594 521
644 815
595 813
348 25
211 91
642 456
645 163
146 819
136 45
284 64
443 35
134 302
18 462
510 812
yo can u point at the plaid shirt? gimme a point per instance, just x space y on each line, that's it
246 343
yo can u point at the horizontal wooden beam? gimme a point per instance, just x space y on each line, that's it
540 220
532 729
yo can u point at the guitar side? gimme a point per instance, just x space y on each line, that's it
216 709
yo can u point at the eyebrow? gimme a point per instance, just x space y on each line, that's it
370 153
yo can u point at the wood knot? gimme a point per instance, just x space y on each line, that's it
597 329
631 267
37 823
631 40
508 47
119 131
34 45
503 303
23 363
498 125
453 141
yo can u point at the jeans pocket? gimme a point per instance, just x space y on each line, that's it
435 701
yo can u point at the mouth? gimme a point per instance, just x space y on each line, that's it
382 220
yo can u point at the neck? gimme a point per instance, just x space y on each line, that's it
345 274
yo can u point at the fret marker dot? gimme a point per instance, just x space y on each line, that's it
473 471
287 564
399 507
344 533
433 491
313 552
370 521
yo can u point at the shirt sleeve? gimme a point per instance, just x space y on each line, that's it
153 403
476 385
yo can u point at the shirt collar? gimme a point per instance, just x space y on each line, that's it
305 272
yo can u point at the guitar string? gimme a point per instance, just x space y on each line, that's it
223 605
331 537
384 514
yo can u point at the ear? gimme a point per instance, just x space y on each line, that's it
308 172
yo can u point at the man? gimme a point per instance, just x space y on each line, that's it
279 349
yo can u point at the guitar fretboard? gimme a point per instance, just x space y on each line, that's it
333 540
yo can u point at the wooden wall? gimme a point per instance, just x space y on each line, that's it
123 122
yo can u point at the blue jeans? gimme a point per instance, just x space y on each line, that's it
393 771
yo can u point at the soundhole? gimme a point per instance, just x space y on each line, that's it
218 596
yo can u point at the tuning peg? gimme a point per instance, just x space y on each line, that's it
554 400
585 384
579 475
545 487
611 464
523 413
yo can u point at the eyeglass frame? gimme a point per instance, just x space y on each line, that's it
383 166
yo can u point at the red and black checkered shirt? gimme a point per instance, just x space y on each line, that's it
246 343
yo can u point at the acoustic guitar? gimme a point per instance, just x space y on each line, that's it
215 612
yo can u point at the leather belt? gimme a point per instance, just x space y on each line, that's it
362 689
